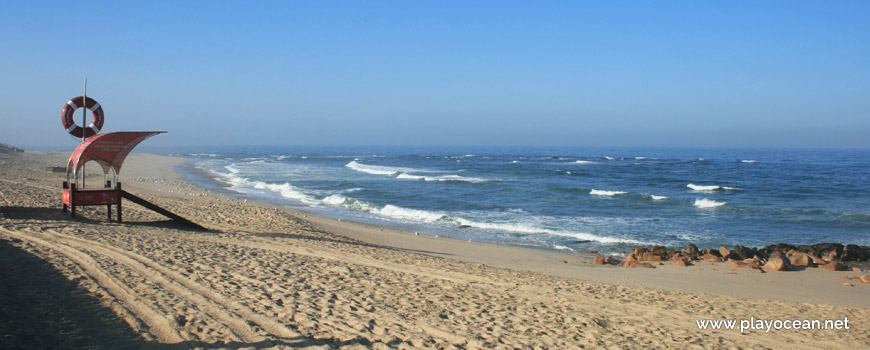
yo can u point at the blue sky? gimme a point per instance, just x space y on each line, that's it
573 73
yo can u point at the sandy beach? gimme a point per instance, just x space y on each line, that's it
270 277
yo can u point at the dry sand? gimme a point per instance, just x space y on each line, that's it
269 277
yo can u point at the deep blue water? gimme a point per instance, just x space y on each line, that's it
571 199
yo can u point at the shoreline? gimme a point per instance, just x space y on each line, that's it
266 276
706 277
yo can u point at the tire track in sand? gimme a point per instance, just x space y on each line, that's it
159 324
228 311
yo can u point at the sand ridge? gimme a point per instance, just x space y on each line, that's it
267 277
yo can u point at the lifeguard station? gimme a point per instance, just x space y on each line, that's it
109 150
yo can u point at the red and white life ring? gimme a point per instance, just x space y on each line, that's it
69 111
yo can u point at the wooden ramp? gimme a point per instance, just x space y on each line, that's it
138 200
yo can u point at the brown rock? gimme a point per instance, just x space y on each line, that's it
638 252
691 250
646 264
799 258
681 262
660 251
724 252
754 262
778 262
712 258
846 277
598 260
650 256
857 269
710 251
819 261
759 270
629 261
611 260
847 284
833 266
865 279
564 261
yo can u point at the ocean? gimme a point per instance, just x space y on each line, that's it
572 200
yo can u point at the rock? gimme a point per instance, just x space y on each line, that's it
754 262
724 252
629 261
833 266
638 252
847 284
779 247
865 279
853 252
759 270
611 260
778 262
660 251
740 253
650 256
598 260
691 250
710 251
799 258
711 258
828 251
646 264
564 261
857 269
682 261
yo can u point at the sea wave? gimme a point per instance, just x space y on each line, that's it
533 229
285 189
389 210
706 203
657 198
584 162
375 169
606 193
749 161
704 188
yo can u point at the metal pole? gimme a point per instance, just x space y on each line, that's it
85 111
84 126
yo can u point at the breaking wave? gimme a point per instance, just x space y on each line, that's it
606 193
706 203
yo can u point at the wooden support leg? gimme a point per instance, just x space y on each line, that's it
118 187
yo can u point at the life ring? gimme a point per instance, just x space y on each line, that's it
68 113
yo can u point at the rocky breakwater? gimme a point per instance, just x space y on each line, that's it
777 257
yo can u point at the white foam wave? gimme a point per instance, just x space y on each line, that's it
731 188
606 193
406 176
561 247
609 158
640 158
532 229
515 162
584 162
703 188
706 203
658 198
373 169
409 214
749 161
